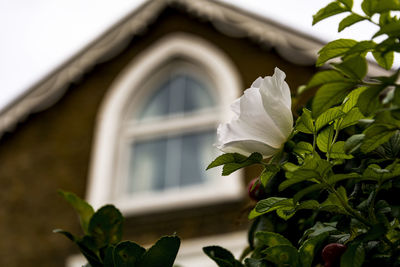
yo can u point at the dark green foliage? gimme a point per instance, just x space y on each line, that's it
102 246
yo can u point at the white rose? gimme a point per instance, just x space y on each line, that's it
263 120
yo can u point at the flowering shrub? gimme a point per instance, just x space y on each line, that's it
332 179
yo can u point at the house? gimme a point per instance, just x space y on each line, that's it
131 120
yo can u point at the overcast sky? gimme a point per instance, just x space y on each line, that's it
37 36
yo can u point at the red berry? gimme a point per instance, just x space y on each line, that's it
332 252
258 192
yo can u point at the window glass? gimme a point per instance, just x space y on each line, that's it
180 94
168 162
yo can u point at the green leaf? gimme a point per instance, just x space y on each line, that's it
127 254
303 148
105 226
221 256
334 49
392 29
384 59
371 7
268 172
348 3
309 247
271 204
354 256
250 262
368 101
342 176
84 210
226 158
283 255
375 135
271 239
328 116
305 122
354 67
325 138
254 158
360 48
349 20
162 253
333 204
328 95
337 151
88 248
324 77
352 99
66 234
309 189
330 10
308 205
396 96
351 118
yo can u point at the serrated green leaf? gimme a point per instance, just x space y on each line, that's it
84 210
330 10
352 98
283 255
271 239
360 48
328 116
302 149
354 67
226 158
376 135
231 167
271 204
325 138
268 172
162 253
371 7
309 247
349 20
329 95
353 256
105 226
332 180
305 122
337 151
334 49
348 3
368 101
221 256
324 77
385 59
392 29
312 188
351 118
127 254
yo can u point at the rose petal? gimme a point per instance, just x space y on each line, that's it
246 147
253 123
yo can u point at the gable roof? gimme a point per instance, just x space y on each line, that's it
232 21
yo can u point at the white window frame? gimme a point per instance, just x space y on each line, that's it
126 93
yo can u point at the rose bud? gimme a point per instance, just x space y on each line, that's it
256 192
332 252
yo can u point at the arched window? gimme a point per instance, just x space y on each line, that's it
157 127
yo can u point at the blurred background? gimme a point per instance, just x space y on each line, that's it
119 102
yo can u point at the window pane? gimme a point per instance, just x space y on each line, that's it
197 96
171 162
179 94
197 150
